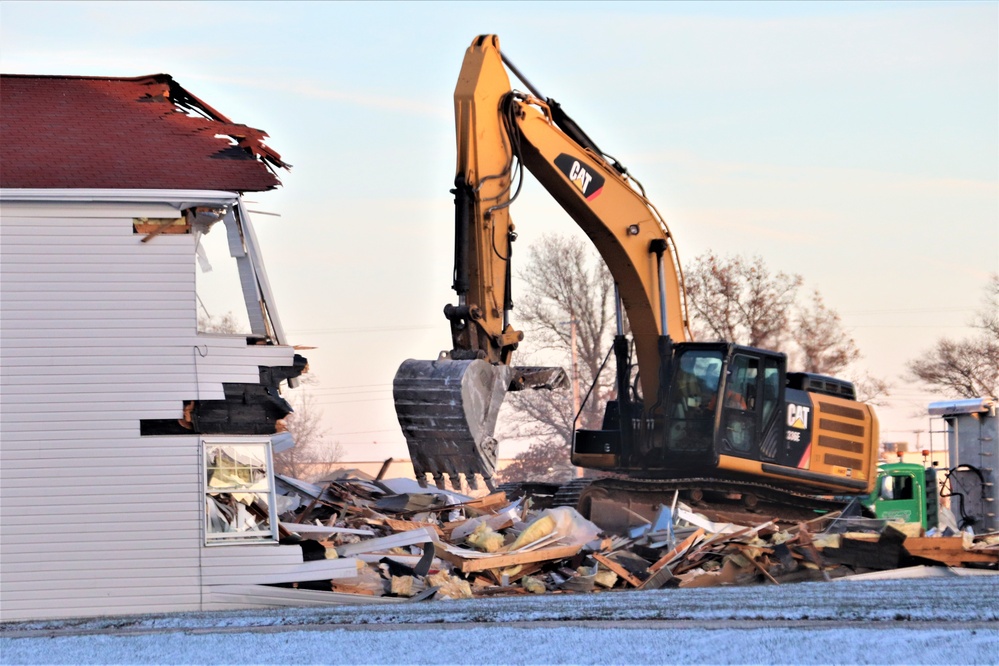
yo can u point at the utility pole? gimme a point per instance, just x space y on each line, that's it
574 372
575 382
575 369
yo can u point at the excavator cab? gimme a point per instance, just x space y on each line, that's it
721 399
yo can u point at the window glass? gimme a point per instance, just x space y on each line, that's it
219 293
696 382
771 388
239 493
693 401
897 488
741 390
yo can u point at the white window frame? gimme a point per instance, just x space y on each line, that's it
264 486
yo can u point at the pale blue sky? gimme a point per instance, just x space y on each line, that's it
854 143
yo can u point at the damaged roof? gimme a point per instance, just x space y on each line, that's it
145 132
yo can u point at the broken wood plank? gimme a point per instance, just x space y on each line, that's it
485 504
351 589
618 569
507 560
947 550
679 550
722 539
410 525
153 228
752 560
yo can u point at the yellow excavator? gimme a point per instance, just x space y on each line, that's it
693 416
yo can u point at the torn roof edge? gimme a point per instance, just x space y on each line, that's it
251 140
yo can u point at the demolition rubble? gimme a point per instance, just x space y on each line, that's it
408 542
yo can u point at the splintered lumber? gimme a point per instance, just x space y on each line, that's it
948 550
343 588
752 560
485 504
618 569
410 525
723 538
506 560
679 550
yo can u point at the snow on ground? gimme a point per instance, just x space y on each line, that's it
483 646
931 621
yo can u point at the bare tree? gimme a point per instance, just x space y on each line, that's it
967 368
315 454
568 298
543 461
226 323
824 346
871 389
740 300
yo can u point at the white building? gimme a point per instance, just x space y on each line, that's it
135 450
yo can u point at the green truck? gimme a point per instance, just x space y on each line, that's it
912 493
901 494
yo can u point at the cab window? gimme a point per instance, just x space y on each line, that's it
741 390
771 388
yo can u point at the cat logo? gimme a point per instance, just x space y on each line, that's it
584 177
797 416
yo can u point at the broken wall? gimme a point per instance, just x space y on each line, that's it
98 333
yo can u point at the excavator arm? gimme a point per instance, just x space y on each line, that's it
447 408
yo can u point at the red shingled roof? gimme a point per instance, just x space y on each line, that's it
124 133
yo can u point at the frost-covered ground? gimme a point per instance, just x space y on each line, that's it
931 621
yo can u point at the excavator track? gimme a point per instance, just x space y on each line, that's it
718 499
568 494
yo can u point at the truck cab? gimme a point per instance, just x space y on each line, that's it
906 492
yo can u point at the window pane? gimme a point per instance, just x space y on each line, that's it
238 492
693 401
771 389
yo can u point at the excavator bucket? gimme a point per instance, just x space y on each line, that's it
447 410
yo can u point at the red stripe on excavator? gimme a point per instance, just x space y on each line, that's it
595 195
806 457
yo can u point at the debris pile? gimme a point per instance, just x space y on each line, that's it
418 543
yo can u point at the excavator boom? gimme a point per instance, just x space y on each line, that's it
498 132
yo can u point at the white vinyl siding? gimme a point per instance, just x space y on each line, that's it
98 332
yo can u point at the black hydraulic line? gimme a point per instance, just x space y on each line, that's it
463 203
574 131
562 119
523 79
508 279
623 361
